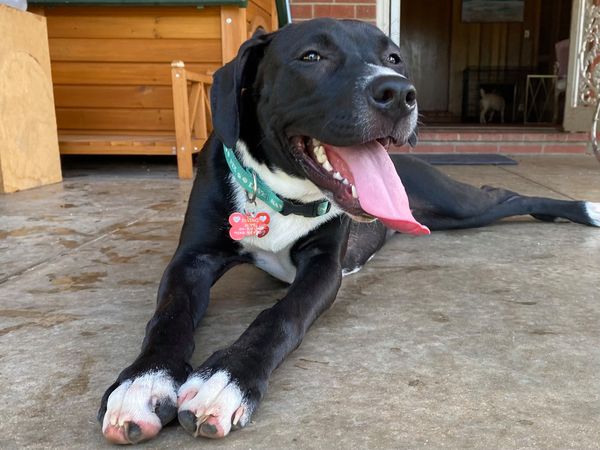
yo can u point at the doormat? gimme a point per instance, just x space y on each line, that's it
465 159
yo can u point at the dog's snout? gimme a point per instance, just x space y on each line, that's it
392 95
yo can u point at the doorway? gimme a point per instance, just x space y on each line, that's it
451 60
425 30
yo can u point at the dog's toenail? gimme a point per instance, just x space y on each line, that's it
187 419
133 431
166 411
208 428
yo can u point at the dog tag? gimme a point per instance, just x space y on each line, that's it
248 224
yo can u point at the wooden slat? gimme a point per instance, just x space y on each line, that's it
474 47
200 124
459 34
265 5
121 145
92 138
200 77
195 96
531 22
495 45
513 44
485 57
116 134
502 44
136 50
119 73
113 96
111 119
256 17
208 112
153 25
182 120
81 149
131 11
234 31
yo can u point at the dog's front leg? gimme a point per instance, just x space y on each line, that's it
226 389
144 396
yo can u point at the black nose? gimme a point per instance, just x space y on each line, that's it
392 95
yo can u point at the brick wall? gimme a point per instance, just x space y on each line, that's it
339 9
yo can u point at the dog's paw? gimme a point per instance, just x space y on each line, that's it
213 402
135 409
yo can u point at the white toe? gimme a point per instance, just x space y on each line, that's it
134 401
216 400
207 390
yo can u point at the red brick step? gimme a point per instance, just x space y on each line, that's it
511 140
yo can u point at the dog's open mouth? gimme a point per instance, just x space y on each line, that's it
362 180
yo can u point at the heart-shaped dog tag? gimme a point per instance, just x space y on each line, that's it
245 225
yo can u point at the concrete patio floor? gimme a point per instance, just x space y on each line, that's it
484 338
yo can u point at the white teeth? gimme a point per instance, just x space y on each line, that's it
321 157
320 154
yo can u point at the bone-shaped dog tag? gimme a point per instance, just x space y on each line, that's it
249 224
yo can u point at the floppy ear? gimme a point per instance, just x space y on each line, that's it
228 83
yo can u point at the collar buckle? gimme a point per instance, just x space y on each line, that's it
251 196
313 209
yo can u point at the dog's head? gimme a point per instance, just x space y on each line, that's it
323 100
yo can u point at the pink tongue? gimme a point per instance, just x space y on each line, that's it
380 191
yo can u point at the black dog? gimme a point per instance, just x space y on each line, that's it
296 179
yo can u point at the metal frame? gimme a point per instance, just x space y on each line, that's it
544 85
388 18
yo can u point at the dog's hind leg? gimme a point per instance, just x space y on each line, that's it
443 203
364 240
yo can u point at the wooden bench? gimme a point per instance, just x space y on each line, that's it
191 113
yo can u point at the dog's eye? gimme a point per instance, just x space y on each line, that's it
311 56
393 58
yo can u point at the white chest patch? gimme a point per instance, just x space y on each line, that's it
278 265
272 252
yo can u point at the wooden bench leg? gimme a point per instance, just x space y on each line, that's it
185 166
182 120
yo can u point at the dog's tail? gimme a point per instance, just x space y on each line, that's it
482 92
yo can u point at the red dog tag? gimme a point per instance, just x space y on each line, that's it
244 225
